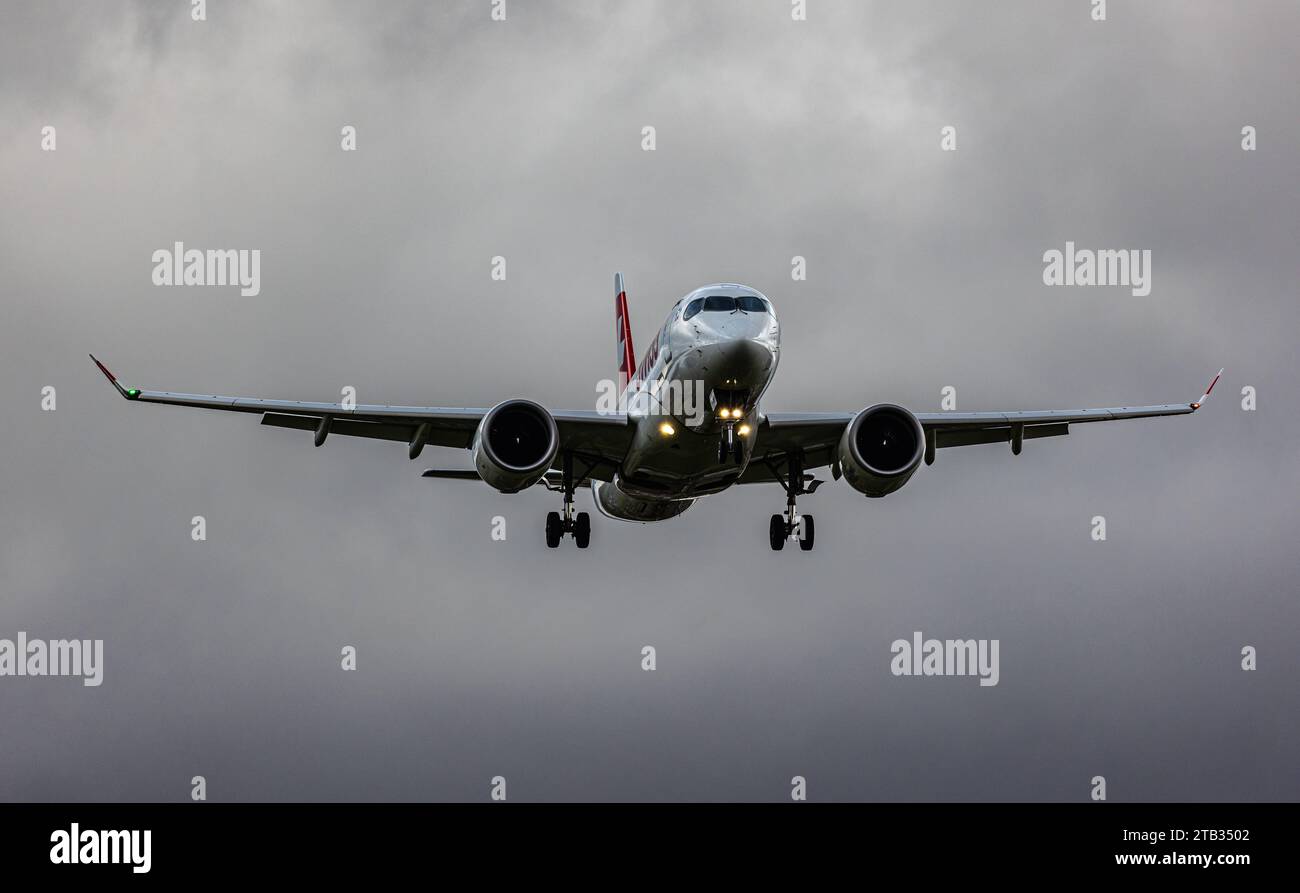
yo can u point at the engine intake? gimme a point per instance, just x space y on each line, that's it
515 445
880 449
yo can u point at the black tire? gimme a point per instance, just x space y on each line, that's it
582 530
722 451
776 532
554 529
806 540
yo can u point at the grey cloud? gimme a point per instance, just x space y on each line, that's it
522 139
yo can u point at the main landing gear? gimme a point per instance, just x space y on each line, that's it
792 525
558 524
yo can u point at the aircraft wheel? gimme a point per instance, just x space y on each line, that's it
776 532
806 529
722 451
554 529
582 530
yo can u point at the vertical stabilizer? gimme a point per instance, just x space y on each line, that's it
623 328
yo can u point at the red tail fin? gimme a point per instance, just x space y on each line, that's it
623 328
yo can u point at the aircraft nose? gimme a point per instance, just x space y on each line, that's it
732 363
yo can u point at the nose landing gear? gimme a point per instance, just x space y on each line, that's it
729 444
730 406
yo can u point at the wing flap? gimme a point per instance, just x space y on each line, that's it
374 430
971 436
452 474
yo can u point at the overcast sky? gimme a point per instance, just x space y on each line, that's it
523 139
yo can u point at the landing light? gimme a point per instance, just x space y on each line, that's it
725 413
743 430
666 429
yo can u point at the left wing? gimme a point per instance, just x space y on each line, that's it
815 435
588 433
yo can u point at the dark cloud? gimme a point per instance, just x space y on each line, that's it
522 139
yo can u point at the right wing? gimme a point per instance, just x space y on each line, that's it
598 437
814 436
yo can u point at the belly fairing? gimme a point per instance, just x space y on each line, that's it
614 503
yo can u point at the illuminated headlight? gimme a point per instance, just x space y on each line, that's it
725 413
666 429
743 430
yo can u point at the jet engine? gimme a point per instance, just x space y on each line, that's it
880 449
515 445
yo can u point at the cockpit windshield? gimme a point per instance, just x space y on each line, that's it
726 304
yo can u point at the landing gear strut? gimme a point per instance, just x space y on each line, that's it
558 524
729 445
730 406
792 525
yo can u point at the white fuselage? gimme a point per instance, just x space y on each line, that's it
719 346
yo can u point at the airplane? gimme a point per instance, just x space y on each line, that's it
648 461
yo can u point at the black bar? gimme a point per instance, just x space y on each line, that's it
337 841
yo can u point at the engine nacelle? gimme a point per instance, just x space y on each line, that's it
880 449
515 445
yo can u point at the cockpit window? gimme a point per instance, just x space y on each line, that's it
726 304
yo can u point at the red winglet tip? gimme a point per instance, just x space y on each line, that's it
1213 383
102 368
112 379
1206 395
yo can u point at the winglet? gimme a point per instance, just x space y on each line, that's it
128 393
1206 395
